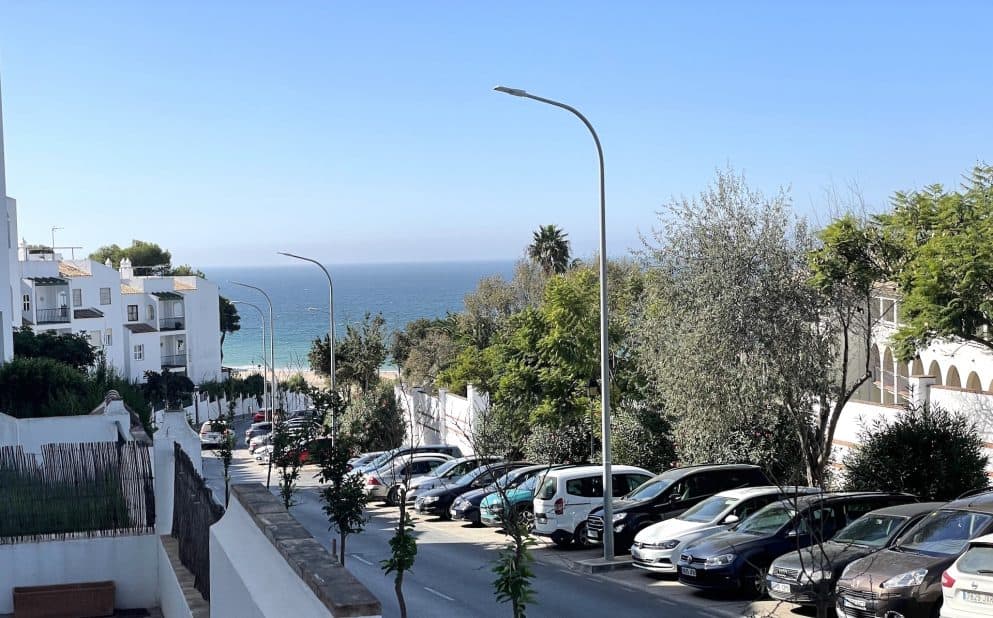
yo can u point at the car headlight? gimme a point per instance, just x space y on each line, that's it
905 580
816 576
460 502
661 545
716 561
619 517
429 499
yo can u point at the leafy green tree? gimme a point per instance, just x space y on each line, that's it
288 444
926 451
38 387
373 421
725 328
358 357
403 552
230 320
167 388
224 424
185 270
550 249
72 349
944 267
147 258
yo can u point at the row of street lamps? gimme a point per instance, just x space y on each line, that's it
608 537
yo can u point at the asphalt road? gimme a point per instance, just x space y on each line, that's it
452 575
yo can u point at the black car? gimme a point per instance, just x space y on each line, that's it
905 579
739 558
808 576
438 501
466 506
668 495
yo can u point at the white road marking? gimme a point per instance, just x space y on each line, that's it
433 591
361 559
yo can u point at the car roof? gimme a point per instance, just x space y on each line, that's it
686 470
982 502
588 470
986 539
841 496
908 510
744 493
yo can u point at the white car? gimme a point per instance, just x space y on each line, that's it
259 441
210 438
655 547
262 454
378 483
967 585
566 497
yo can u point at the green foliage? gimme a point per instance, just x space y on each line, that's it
147 258
373 421
72 349
185 270
38 387
514 576
295 383
230 320
287 445
403 552
471 366
945 269
225 426
167 388
926 451
642 437
424 348
550 249
564 444
358 356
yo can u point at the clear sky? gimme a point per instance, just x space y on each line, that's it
358 132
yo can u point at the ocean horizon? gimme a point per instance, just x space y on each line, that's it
401 292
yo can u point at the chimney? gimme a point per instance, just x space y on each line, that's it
126 271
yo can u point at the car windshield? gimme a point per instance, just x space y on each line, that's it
446 467
768 519
379 461
869 530
945 532
470 476
708 510
649 489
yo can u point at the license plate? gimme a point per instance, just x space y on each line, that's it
856 603
779 587
981 598
689 572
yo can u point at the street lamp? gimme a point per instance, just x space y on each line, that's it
608 507
265 363
272 343
330 323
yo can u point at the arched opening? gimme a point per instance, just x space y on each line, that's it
869 391
902 382
917 368
887 379
973 384
934 371
953 378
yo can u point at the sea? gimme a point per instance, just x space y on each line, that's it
400 292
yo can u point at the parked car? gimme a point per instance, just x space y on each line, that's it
518 503
259 416
967 585
657 547
385 457
379 483
466 506
262 455
305 451
259 440
438 500
257 429
906 578
809 575
667 495
566 497
445 474
363 459
739 558
210 438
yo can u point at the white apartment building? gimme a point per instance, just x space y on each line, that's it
139 323
8 260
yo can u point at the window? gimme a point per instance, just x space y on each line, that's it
745 509
26 302
139 352
77 298
108 337
588 487
104 296
132 313
151 313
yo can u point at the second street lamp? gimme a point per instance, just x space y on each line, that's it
272 344
608 507
265 362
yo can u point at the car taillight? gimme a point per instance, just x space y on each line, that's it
947 581
371 480
559 506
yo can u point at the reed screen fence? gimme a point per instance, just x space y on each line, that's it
194 512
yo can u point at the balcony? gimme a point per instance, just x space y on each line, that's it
172 323
174 360
52 316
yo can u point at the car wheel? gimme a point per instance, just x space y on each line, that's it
755 581
525 519
393 496
580 535
562 541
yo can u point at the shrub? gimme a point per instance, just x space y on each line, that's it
926 451
35 387
373 421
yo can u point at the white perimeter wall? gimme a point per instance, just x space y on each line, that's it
31 433
172 600
129 561
444 418
249 578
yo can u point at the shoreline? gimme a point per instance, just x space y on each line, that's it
312 378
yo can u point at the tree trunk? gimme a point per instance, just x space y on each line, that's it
342 549
398 587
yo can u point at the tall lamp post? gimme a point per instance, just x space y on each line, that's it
265 362
272 342
608 507
334 424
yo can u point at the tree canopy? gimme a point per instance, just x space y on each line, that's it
73 349
550 249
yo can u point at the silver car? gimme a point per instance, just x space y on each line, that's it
378 483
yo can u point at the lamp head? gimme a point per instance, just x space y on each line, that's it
517 92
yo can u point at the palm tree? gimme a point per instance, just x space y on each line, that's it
550 249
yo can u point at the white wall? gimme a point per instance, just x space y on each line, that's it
172 600
444 418
152 360
31 433
172 429
130 561
203 328
241 559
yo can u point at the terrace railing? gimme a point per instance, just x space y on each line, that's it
194 512
174 360
172 323
52 316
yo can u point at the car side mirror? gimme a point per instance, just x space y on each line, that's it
792 534
731 519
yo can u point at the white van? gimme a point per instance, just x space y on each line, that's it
566 497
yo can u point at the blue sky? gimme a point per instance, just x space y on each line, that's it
360 132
